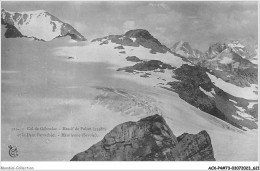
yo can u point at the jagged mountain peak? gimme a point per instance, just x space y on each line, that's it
39 24
235 46
139 33
217 47
184 48
237 42
182 45
232 44
229 43
185 44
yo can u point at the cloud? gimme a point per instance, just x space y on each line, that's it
129 25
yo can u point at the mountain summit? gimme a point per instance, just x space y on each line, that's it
139 33
184 49
136 38
39 25
234 46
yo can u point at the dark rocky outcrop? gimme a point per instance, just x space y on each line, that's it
194 147
133 59
68 30
191 86
147 66
239 71
144 38
12 32
119 47
149 139
192 78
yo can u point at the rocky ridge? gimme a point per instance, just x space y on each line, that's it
149 139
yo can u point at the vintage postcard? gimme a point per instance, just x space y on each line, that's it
169 82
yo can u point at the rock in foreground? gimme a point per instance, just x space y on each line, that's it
149 139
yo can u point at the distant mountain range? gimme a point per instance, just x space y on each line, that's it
233 46
222 52
40 25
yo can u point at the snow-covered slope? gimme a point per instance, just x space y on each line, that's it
242 92
39 24
115 49
94 52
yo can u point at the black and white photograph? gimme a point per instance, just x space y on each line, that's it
158 81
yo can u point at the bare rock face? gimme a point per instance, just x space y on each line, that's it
194 147
147 66
149 139
194 86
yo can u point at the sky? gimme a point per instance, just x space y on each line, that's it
200 23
